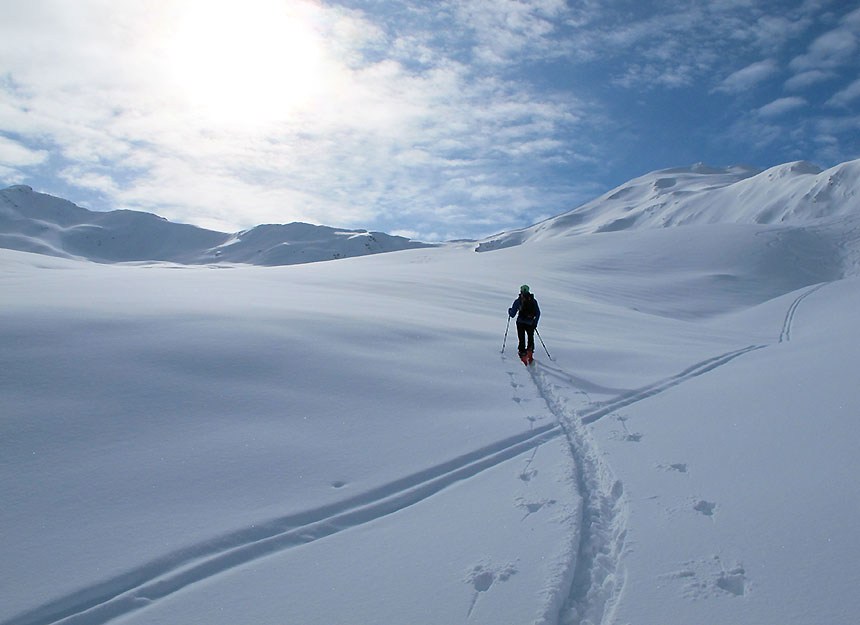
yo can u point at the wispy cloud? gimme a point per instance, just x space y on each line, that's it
394 122
832 49
13 153
807 79
679 44
504 29
782 106
749 76
846 96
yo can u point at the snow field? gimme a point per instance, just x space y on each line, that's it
170 426
343 442
742 480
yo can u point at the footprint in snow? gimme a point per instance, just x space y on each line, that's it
733 581
626 436
534 506
709 578
528 475
482 577
705 507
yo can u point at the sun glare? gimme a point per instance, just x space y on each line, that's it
247 63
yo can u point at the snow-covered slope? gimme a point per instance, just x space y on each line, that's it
344 443
40 223
349 442
795 193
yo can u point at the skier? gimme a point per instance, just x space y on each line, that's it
529 313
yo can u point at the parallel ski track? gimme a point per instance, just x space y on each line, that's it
598 410
785 334
171 573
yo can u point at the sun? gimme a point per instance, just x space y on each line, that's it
249 63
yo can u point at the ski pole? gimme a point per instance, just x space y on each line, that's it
506 334
544 344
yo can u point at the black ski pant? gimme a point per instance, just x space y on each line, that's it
524 329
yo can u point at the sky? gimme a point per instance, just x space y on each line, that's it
437 120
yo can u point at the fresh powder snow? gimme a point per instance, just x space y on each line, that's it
189 437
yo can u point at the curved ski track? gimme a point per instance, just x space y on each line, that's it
785 334
171 573
597 576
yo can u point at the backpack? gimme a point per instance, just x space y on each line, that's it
528 307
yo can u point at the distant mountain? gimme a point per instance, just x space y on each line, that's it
796 193
40 223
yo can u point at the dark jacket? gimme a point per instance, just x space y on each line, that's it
516 308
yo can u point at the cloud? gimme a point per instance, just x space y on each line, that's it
773 32
679 44
804 80
852 19
846 96
107 87
748 77
14 154
782 106
831 50
509 28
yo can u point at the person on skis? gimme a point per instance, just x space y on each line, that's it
525 308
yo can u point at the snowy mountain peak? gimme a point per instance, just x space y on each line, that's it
794 193
793 169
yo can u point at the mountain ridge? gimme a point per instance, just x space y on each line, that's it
40 223
795 193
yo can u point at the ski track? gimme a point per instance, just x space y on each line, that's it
600 409
171 573
785 334
596 576
594 579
